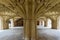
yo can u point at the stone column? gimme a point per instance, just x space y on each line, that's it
30 29
1 26
58 22
39 22
27 29
54 24
33 29
45 23
5 24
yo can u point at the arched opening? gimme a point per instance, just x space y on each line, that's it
49 23
45 23
17 25
19 22
16 22
41 23
11 23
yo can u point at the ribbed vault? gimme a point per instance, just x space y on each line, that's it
14 6
22 7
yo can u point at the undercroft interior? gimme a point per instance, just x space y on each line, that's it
29 19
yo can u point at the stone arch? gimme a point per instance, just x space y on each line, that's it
54 22
47 21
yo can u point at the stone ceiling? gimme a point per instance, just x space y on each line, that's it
36 7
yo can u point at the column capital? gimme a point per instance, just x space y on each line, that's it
5 18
